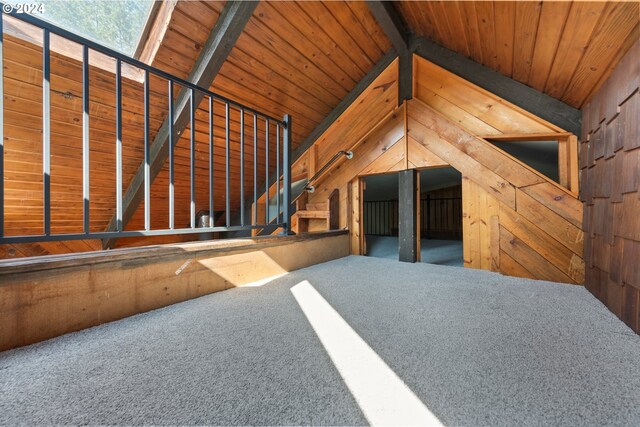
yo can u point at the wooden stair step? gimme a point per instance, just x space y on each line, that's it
309 214
317 206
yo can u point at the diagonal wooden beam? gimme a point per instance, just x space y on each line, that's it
221 41
391 23
393 27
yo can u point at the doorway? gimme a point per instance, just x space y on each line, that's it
440 217
438 213
380 215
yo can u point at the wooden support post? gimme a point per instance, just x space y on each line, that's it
408 216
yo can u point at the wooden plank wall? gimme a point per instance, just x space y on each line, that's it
610 169
50 296
508 208
497 187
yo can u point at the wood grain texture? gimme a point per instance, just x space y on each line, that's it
298 58
566 49
51 296
610 173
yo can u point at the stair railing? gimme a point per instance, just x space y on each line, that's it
323 169
195 94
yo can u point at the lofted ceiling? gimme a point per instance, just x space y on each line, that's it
298 58
564 49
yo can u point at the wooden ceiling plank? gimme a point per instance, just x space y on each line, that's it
527 18
486 24
427 27
223 37
352 25
505 35
319 36
266 42
346 102
469 20
456 26
621 23
324 19
370 25
271 15
550 28
581 23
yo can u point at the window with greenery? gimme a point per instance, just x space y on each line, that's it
117 24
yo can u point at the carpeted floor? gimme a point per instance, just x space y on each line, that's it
432 251
474 347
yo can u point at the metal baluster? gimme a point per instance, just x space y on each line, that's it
147 160
192 157
85 140
211 162
286 164
46 131
266 171
242 167
119 145
227 157
171 144
255 170
278 173
1 126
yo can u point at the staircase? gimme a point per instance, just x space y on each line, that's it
317 216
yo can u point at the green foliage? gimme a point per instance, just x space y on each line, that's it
117 24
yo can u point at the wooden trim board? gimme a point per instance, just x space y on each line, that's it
41 298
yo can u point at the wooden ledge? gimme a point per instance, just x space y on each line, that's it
164 252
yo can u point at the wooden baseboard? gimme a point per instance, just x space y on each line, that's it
44 297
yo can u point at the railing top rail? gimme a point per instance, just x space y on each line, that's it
347 154
30 19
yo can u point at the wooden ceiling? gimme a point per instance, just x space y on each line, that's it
298 58
565 49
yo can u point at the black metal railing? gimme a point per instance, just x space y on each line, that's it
282 149
440 217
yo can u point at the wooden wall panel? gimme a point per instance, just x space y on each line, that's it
51 296
565 49
610 172
510 211
493 215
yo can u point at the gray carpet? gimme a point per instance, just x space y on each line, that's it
475 347
432 251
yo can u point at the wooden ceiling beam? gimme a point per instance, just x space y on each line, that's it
391 23
528 98
393 26
221 41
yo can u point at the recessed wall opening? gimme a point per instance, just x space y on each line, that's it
380 215
440 217
540 155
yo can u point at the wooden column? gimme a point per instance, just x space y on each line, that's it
408 240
